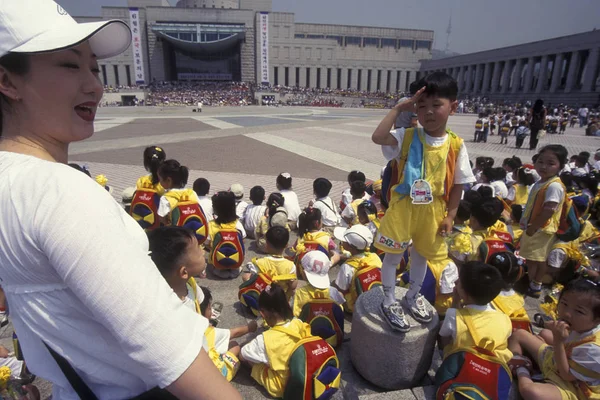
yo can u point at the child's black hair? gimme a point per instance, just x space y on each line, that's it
513 162
321 187
278 237
440 84
274 300
567 180
486 192
463 211
357 189
168 245
284 181
588 286
308 220
414 87
275 201
525 176
580 161
480 281
80 169
257 195
481 162
559 151
356 176
508 266
224 207
201 186
590 182
516 210
473 197
177 172
153 157
367 207
207 299
585 155
488 212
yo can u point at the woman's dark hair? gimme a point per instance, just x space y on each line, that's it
559 151
177 172
321 187
525 177
153 157
538 106
168 245
356 176
588 286
207 299
508 265
257 195
224 207
18 64
275 201
284 181
440 84
309 219
274 300
201 186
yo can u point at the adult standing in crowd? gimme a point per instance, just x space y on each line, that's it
536 122
75 268
583 115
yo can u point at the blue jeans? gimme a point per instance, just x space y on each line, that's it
485 134
582 121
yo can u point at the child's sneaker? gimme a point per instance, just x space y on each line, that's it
418 308
394 315
534 293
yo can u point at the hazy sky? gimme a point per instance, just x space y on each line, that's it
476 24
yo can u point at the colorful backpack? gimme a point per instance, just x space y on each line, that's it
486 125
514 121
251 289
188 214
490 247
479 125
326 319
314 368
144 207
366 278
228 249
505 127
473 373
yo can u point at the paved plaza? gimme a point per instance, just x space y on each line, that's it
251 146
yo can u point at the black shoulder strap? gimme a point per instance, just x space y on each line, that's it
326 205
78 385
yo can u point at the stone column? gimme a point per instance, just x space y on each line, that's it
529 75
486 78
478 77
461 78
556 72
590 71
469 80
506 76
543 74
344 81
495 77
393 80
572 74
516 82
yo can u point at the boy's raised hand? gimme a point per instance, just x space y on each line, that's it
410 104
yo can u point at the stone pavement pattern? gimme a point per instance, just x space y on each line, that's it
251 146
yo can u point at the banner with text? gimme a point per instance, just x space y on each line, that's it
136 45
264 48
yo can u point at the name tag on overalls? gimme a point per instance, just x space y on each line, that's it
420 192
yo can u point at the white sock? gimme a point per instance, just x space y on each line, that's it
522 371
418 270
388 277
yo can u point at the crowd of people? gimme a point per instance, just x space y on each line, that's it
213 94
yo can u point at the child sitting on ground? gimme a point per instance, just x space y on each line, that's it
173 177
518 193
316 267
202 187
567 351
255 211
274 265
153 157
367 216
223 351
472 322
349 215
346 195
292 206
240 204
311 235
357 241
322 202
269 353
275 215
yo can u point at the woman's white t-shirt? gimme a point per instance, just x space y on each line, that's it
77 275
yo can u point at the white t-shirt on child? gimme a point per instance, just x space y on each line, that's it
207 208
329 212
252 218
291 205
164 207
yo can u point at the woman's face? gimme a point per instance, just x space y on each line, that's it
60 95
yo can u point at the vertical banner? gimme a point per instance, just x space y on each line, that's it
264 48
136 45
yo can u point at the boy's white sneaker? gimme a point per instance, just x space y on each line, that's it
418 307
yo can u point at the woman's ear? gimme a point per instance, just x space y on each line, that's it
7 85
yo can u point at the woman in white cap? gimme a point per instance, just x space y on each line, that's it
83 292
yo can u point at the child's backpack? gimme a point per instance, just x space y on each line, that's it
326 320
486 124
366 278
554 123
505 127
188 214
314 368
228 249
144 207
490 247
479 125
251 289
514 121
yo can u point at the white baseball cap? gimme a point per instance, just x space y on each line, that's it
36 26
237 190
358 236
316 266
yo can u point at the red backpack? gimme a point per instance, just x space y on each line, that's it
188 214
144 207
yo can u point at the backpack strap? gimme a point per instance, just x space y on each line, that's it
194 286
327 205
284 277
78 385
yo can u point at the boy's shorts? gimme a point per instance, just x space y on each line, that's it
404 221
545 356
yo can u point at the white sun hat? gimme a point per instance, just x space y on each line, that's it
36 26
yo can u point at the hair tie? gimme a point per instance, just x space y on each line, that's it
154 156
